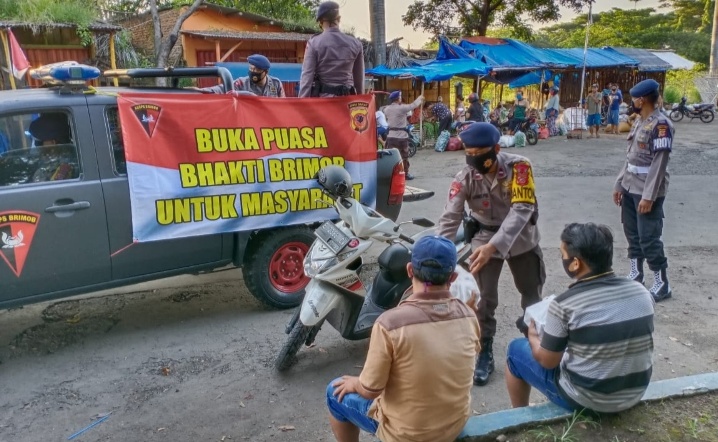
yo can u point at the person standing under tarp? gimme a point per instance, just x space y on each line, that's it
552 109
475 112
333 61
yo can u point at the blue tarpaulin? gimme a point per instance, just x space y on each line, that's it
595 57
287 72
509 55
531 78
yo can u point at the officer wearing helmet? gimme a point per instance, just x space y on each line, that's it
333 61
475 112
498 189
58 157
641 187
258 81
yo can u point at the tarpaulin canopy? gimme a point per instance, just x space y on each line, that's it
647 62
531 78
512 55
451 60
595 57
287 72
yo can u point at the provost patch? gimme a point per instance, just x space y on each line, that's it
17 229
148 114
522 186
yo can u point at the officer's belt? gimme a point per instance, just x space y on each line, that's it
340 90
487 227
638 169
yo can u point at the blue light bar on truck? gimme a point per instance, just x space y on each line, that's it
79 72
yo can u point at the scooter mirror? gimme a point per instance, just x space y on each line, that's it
422 222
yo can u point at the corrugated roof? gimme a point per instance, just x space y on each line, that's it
250 35
675 60
595 58
647 62
97 26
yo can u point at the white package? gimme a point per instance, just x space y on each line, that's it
506 141
538 313
464 285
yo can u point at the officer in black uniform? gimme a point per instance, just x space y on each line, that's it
641 187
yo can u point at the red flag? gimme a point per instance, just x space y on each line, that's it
20 64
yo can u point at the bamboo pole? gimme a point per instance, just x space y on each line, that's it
113 58
6 46
421 118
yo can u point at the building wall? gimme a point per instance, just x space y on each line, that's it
143 34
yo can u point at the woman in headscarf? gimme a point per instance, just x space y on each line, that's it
476 110
552 109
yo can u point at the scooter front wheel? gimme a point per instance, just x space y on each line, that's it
287 355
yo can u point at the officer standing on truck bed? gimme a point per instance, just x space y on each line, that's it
499 190
258 81
333 61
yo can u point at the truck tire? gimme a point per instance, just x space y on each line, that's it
274 265
297 337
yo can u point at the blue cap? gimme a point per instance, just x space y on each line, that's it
259 61
480 135
394 95
644 88
434 254
326 7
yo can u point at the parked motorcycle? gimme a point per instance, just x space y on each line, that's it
335 293
704 111
531 135
414 140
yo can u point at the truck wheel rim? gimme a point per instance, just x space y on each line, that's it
286 267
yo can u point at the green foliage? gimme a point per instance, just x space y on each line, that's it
296 13
46 12
671 95
678 30
681 83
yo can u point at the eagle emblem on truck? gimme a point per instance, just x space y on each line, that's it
17 229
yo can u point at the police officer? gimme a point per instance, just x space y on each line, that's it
499 190
57 159
333 61
398 136
641 187
258 81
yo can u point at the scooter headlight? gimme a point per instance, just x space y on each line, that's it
314 266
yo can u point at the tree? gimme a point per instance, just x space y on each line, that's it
475 16
714 43
377 15
163 46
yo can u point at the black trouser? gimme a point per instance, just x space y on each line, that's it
402 144
445 123
515 123
643 231
529 275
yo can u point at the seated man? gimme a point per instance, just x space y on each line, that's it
56 162
417 378
597 344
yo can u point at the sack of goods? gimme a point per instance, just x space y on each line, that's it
622 109
506 141
520 139
464 285
454 144
442 141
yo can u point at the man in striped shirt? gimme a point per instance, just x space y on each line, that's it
597 346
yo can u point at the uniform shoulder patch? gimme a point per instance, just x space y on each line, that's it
454 190
662 137
522 184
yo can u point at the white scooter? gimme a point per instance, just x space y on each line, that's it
335 292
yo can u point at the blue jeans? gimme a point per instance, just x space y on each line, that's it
613 117
522 365
593 120
353 408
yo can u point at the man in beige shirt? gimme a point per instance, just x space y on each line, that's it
416 381
398 136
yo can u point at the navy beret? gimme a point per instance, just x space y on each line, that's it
259 61
644 88
326 7
394 95
479 135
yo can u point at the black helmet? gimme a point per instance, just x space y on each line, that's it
335 180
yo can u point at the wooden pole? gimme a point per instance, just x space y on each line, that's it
113 59
6 46
421 118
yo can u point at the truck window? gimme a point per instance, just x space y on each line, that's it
37 147
114 133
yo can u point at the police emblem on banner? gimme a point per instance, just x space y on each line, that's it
17 229
359 112
148 115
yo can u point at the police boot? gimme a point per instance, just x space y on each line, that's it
637 270
484 363
661 289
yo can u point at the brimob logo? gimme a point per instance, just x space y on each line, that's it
148 115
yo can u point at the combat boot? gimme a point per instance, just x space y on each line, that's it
484 363
661 289
637 270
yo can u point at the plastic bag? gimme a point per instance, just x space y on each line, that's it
442 141
506 141
520 139
454 144
464 285
538 313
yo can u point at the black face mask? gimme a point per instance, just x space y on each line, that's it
566 263
482 163
256 77
636 108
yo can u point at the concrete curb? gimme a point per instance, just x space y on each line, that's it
493 424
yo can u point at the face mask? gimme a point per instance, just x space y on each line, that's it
566 263
613 90
519 97
256 77
636 108
482 163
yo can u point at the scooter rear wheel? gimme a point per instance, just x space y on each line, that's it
287 355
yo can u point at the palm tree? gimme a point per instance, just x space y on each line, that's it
714 44
377 16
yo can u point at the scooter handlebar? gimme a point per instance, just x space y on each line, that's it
406 238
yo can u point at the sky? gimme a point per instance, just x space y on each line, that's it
355 14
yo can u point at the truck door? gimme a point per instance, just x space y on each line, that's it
138 260
53 230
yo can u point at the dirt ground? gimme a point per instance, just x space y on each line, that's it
673 420
190 358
